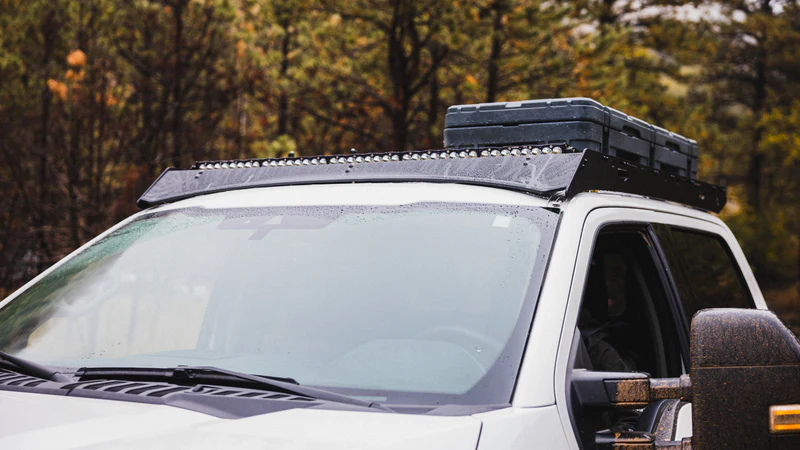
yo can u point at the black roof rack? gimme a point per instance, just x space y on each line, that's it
539 170
600 172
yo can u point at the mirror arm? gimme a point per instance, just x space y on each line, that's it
627 390
641 392
637 440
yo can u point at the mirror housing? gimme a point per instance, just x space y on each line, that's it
744 363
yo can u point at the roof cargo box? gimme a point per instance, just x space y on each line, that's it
578 122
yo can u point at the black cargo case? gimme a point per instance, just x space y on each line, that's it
578 122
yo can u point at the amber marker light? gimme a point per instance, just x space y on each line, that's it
784 419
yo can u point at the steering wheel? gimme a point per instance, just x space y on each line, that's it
481 348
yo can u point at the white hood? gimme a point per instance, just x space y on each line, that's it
40 421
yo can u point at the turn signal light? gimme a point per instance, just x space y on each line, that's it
784 419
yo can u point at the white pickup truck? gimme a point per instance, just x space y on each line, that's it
523 296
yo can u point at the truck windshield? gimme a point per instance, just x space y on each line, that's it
428 303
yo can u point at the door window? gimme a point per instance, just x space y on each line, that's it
626 324
704 271
625 321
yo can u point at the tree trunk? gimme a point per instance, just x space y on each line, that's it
398 67
433 108
754 180
283 98
177 86
498 11
50 29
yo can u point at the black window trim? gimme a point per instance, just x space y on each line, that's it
671 288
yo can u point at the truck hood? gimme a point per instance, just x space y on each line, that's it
40 421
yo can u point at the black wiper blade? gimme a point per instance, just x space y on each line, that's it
33 369
194 375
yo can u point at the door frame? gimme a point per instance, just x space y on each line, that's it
595 221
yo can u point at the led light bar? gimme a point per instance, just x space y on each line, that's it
355 158
539 170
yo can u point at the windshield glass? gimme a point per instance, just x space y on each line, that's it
415 304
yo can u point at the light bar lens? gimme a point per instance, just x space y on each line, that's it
292 161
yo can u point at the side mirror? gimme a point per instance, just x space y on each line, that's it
745 375
744 386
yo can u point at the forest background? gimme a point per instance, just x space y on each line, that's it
97 97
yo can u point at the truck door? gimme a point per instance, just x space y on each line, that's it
643 276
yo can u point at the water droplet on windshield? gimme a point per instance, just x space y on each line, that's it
478 349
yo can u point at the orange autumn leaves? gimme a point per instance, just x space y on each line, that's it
77 58
76 61
58 88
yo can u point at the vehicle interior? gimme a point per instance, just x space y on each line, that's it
625 325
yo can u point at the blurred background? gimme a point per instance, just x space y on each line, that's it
97 97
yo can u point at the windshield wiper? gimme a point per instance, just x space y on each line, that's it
194 375
33 369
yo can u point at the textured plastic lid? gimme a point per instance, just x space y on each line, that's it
552 111
528 111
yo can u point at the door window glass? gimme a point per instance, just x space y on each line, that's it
626 323
705 273
625 320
